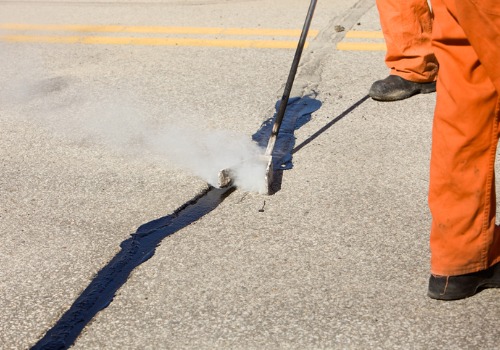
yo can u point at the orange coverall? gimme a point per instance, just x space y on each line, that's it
466 39
407 28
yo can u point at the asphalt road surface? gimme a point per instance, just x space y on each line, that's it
114 117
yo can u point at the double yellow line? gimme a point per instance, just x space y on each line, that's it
157 35
362 41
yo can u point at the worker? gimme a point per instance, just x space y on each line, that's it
464 240
407 28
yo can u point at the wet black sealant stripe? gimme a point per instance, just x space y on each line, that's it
142 244
298 113
134 251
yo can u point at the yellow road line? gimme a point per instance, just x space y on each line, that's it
350 46
156 29
376 45
261 44
283 44
364 34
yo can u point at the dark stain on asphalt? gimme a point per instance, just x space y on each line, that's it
134 251
50 86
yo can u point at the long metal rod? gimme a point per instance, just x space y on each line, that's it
291 78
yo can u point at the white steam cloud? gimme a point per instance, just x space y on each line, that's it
118 119
205 153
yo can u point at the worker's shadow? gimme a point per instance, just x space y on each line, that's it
298 112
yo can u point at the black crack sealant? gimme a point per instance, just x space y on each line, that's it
298 112
134 251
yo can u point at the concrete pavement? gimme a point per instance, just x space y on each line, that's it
337 258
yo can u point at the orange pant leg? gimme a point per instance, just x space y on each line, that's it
407 27
465 134
480 20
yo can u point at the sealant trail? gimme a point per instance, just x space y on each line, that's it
134 251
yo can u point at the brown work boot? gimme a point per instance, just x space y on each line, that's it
394 88
463 286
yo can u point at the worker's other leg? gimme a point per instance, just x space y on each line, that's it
407 27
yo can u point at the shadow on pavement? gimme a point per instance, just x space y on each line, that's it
329 125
